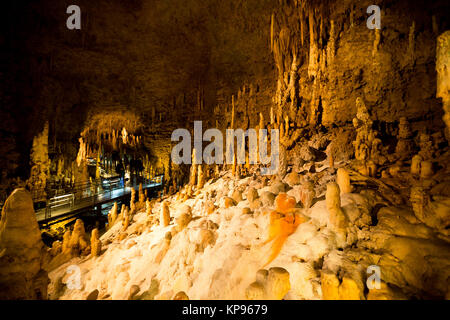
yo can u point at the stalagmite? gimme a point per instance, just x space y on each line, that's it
112 215
201 177
133 200
330 286
165 214
363 125
252 194
66 241
148 207
273 284
22 274
415 164
278 284
255 291
78 242
210 207
338 219
237 195
426 146
193 176
405 144
96 244
181 296
307 194
435 214
426 169
183 218
126 219
141 195
206 238
272 118
122 212
343 180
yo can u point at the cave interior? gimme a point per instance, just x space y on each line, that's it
355 116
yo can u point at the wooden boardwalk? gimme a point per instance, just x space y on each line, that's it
46 214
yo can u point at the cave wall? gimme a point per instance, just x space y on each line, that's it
338 58
170 63
163 61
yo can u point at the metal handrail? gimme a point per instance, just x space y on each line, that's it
91 198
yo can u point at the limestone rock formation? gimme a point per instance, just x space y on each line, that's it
282 223
200 178
435 214
405 144
133 201
337 217
252 194
343 180
22 269
273 284
183 218
96 244
78 243
307 194
181 296
164 219
40 165
112 215
229 202
443 76
415 165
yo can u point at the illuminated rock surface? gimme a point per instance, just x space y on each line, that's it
22 269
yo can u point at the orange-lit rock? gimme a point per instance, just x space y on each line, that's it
284 203
282 223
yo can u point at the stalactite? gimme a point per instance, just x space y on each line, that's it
232 111
261 121
313 48
271 31
352 15
411 41
443 76
302 27
272 119
376 41
434 25
331 46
